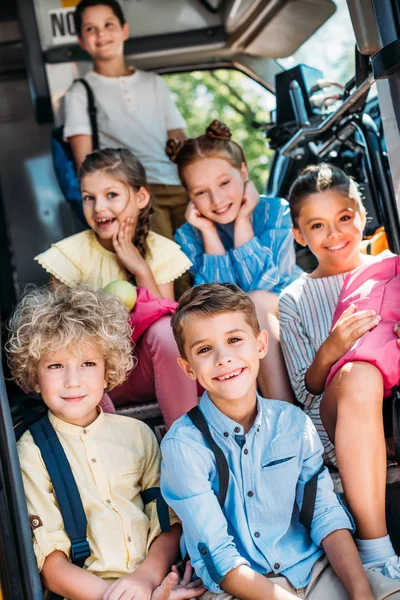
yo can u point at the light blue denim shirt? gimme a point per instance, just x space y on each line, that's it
268 468
266 262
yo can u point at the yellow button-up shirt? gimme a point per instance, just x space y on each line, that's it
113 460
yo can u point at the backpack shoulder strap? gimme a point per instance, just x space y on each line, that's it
92 112
199 421
65 488
154 493
309 496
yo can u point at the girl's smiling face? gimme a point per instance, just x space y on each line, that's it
216 188
108 202
332 226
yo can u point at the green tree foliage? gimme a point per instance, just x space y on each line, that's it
233 98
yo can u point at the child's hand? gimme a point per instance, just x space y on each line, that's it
249 201
195 218
348 329
397 332
126 251
173 589
130 587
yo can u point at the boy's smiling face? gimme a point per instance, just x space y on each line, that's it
223 352
72 385
102 35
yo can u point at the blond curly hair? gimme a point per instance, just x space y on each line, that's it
47 319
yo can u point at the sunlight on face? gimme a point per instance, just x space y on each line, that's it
72 385
223 353
332 226
216 188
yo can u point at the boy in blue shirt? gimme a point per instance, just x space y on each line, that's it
254 548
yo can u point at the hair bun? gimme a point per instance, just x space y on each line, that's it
172 148
218 130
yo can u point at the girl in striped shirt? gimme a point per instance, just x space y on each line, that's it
329 217
234 235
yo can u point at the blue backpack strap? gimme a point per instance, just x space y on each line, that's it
310 488
198 420
154 493
65 488
92 112
309 496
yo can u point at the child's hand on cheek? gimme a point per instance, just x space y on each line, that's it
126 251
195 218
249 201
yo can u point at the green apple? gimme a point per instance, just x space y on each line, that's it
124 290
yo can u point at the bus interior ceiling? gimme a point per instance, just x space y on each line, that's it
40 58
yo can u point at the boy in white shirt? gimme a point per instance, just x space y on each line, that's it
135 110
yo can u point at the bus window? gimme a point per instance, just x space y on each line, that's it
234 98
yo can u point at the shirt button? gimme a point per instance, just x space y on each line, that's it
250 494
85 431
204 550
129 539
257 534
226 434
277 566
108 500
245 451
94 459
237 430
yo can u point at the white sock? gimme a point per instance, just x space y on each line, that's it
375 552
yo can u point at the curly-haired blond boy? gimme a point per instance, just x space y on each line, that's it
70 345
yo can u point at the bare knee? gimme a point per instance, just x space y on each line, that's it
356 385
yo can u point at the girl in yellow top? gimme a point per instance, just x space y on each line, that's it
117 206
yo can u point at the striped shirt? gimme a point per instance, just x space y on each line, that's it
266 262
306 310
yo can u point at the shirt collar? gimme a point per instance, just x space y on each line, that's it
223 424
70 429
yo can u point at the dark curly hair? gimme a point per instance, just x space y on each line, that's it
124 166
215 142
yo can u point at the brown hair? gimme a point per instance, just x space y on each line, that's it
215 142
84 4
48 319
207 300
124 166
318 178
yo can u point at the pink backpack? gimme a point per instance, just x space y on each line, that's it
147 311
374 286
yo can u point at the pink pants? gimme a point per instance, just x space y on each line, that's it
376 287
158 375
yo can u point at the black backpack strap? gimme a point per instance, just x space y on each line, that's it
396 421
198 420
92 113
65 488
309 496
154 493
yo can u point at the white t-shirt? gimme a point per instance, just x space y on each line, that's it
133 112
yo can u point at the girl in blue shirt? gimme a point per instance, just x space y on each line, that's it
234 235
